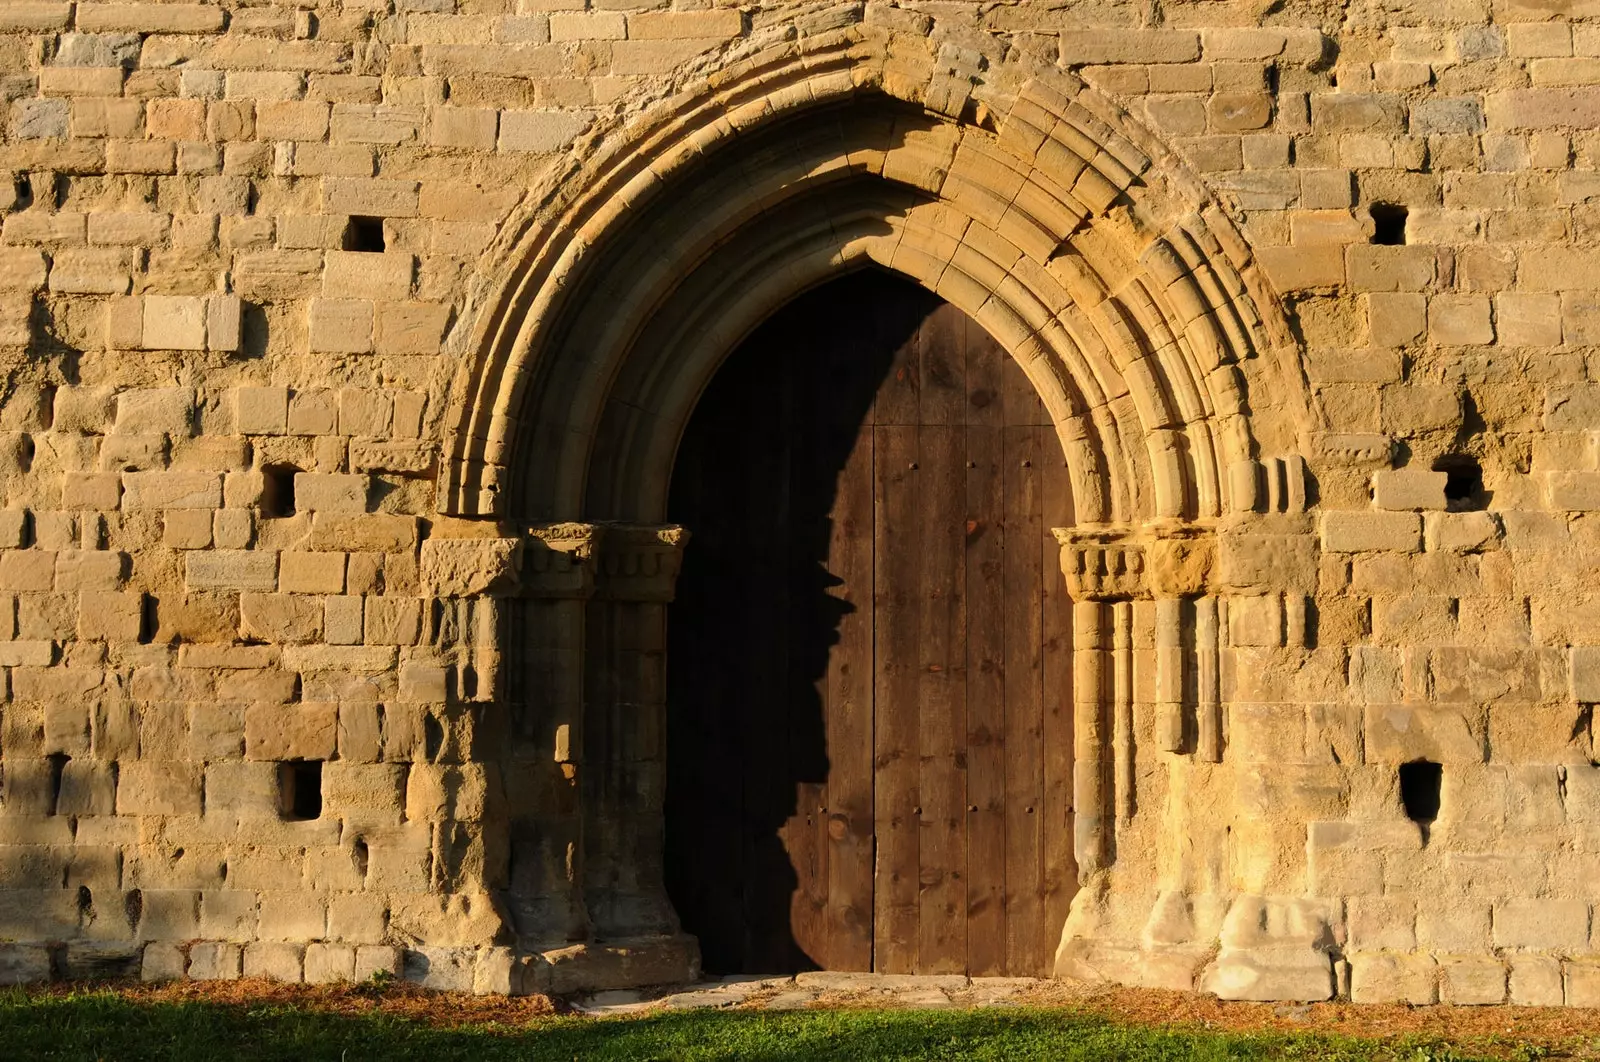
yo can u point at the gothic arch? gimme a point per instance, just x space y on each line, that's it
1010 189
1003 185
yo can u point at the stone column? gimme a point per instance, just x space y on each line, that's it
545 628
624 732
1104 573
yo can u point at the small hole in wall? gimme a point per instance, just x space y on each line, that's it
277 490
58 769
364 234
432 737
1419 792
22 192
1463 482
1388 224
300 790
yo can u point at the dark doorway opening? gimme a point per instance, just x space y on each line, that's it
864 769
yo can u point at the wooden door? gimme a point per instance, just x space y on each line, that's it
869 734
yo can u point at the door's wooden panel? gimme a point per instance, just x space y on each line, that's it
896 689
869 745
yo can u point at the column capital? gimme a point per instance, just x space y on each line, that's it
1111 563
615 562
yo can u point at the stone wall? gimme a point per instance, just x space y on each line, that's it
322 655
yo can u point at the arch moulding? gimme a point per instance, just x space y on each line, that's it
1120 286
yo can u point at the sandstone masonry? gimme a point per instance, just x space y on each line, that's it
345 343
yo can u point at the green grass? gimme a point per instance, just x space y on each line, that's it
103 1025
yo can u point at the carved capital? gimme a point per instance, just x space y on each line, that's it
639 562
558 560
1102 564
1123 564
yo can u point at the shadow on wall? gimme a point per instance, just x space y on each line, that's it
760 483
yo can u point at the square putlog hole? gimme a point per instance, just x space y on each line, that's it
300 790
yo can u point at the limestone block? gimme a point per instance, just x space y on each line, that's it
363 411
1536 981
1582 983
232 528
1270 973
1485 675
27 569
1543 923
163 962
1391 977
1461 532
145 452
378 958
91 491
466 567
261 410
159 787
274 961
280 618
313 412
393 620
174 322
424 683
1472 980
231 570
366 786
1402 733
540 131
380 532
87 788
1356 532
1574 491
245 789
214 960
291 915
169 914
410 327
155 410
369 276
356 919
90 569
290 732
1256 621
1409 488
342 620
94 960
341 326
329 963
366 659
313 573
370 198
1525 319
110 616
330 492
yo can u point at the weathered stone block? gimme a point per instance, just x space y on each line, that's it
1545 923
211 960
1388 977
1357 532
274 961
1536 981
291 732
1472 980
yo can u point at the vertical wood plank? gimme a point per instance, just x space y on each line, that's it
986 539
848 693
942 703
1025 767
1060 865
897 547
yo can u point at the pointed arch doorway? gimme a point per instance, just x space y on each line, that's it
869 755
